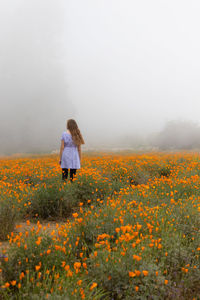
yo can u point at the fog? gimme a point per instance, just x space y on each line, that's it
123 69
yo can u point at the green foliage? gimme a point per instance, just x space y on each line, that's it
7 219
148 211
86 187
138 177
52 201
164 171
33 254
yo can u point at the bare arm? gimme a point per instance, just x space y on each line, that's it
61 149
79 151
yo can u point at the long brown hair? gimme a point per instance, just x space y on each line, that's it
75 132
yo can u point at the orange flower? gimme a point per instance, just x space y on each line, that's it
145 273
38 241
7 284
21 275
131 274
67 267
37 268
69 273
13 282
136 257
137 272
75 215
84 265
77 265
93 286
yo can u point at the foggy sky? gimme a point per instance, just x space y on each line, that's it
116 66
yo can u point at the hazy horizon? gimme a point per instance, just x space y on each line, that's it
120 68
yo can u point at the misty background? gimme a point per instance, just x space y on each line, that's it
128 71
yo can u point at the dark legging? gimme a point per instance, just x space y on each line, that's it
65 174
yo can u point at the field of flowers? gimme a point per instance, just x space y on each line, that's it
128 227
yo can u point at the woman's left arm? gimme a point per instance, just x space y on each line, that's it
79 152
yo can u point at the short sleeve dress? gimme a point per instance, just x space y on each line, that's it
70 155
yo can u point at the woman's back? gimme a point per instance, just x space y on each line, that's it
67 138
70 156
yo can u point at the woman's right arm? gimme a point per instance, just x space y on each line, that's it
61 149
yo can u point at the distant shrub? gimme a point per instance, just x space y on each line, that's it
138 177
158 170
119 173
51 201
164 171
7 219
86 187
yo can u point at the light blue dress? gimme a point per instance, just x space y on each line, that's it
70 155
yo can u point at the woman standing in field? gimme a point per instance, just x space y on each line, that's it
70 149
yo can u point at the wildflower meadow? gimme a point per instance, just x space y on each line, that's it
127 227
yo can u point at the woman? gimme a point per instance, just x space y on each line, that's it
70 149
